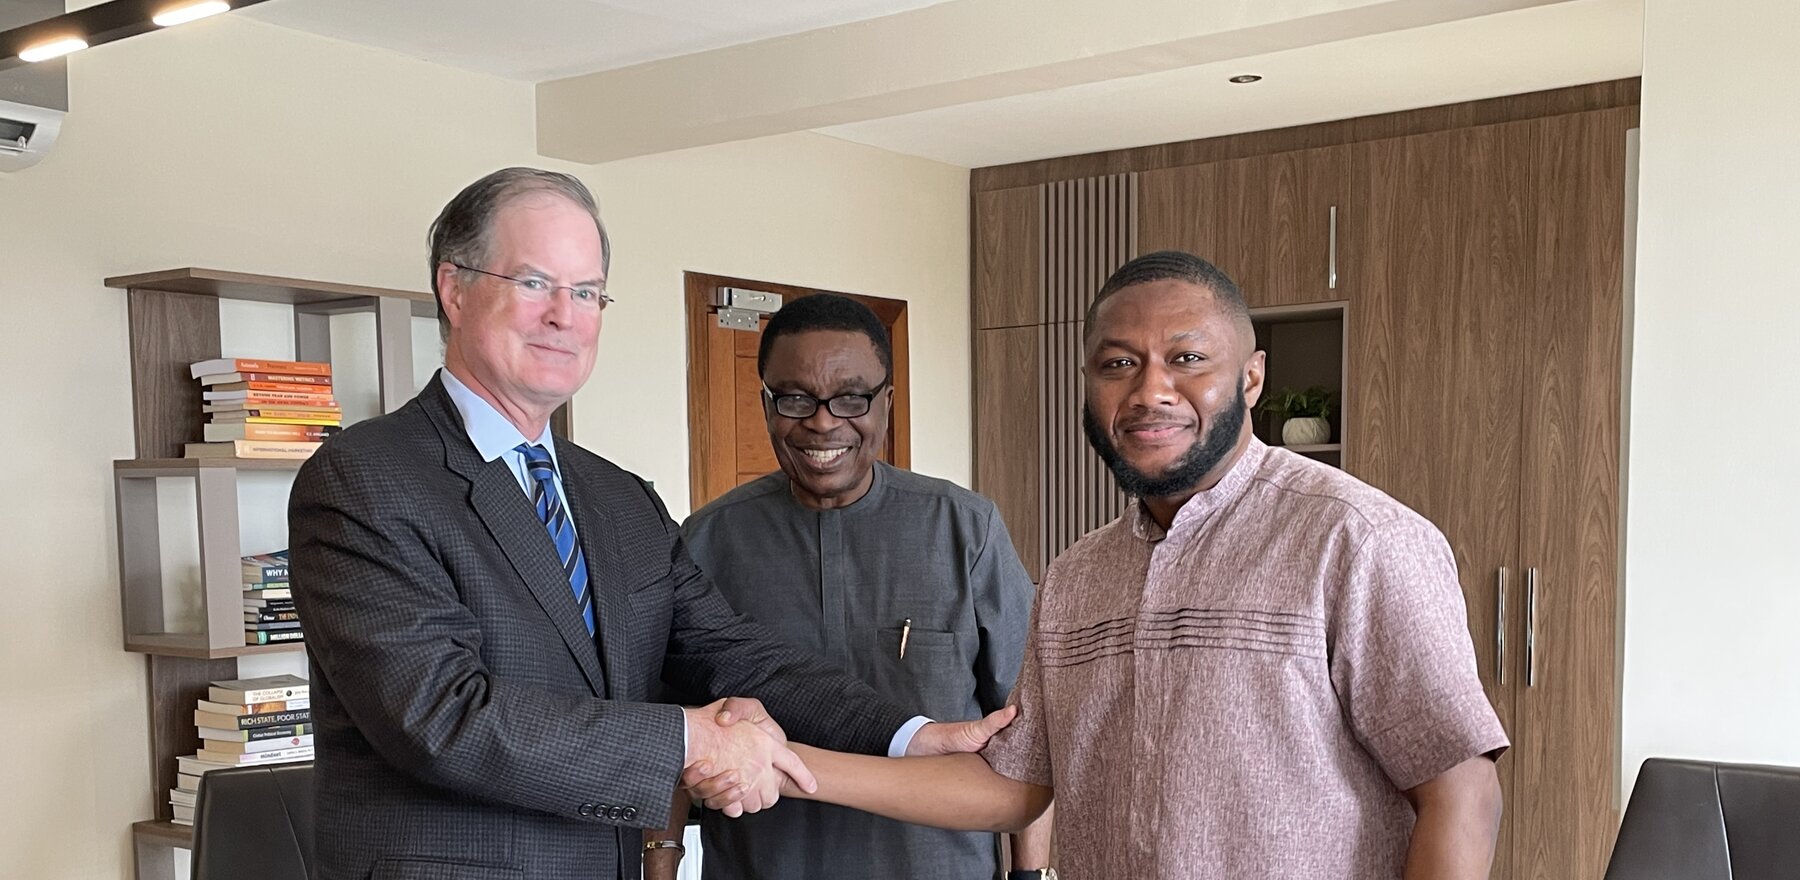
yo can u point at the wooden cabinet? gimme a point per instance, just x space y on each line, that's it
1270 222
1480 269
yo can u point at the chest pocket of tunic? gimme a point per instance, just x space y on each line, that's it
934 678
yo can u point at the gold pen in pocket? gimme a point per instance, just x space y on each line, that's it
905 630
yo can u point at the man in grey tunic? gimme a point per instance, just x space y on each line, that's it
908 582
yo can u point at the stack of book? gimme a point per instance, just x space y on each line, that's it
269 615
244 722
265 409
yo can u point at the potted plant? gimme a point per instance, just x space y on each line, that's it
1306 413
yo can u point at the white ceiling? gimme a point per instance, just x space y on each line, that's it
535 40
1543 47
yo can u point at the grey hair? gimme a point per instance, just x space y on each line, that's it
463 232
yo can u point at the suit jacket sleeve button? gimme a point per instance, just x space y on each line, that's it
585 810
630 813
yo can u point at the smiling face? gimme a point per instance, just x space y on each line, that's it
829 461
1170 377
527 356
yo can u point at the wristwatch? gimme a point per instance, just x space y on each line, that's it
1034 874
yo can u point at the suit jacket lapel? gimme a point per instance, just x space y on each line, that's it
495 495
600 543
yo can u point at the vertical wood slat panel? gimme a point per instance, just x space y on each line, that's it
1090 229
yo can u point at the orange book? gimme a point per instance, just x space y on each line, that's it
254 399
252 431
285 387
252 365
223 378
236 410
281 416
253 449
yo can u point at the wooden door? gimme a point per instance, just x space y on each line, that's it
1008 309
1442 272
1568 750
1265 220
727 435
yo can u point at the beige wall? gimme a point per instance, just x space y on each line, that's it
1712 662
795 209
237 145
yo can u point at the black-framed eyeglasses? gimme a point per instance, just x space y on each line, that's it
844 406
536 288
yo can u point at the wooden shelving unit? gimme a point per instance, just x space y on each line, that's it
1315 448
1306 345
174 321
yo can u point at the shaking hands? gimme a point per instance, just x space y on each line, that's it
738 759
742 754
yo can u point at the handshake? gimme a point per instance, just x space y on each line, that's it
738 760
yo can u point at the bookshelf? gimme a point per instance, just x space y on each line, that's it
174 319
1306 345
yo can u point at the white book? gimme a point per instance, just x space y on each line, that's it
187 781
183 815
253 708
180 798
203 762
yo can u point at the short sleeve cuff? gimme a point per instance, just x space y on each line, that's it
1417 751
1012 754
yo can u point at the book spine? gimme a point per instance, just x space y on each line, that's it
272 757
255 734
271 616
253 399
270 638
289 378
217 432
288 387
318 418
276 695
269 719
298 368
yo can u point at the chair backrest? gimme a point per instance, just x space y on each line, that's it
254 822
1696 820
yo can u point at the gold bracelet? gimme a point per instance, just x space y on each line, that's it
653 845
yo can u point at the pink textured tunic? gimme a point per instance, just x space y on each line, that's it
1247 695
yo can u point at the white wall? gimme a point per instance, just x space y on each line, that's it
1712 660
237 145
794 209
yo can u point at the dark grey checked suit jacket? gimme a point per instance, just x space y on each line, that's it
468 726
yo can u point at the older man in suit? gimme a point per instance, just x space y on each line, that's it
488 607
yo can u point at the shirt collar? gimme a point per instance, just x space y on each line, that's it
1203 504
491 433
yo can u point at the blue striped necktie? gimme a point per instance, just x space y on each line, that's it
562 531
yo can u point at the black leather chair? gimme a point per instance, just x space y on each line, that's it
1696 820
254 823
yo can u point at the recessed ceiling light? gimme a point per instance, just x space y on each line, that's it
190 12
53 49
1242 78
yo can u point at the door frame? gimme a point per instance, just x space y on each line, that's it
704 459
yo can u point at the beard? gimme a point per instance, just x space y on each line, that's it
1199 460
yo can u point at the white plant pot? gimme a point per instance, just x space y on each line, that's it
1305 432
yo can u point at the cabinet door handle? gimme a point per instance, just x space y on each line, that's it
1331 265
1531 579
1500 625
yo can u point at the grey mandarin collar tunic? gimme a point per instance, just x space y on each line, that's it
843 583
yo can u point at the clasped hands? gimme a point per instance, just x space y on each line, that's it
738 760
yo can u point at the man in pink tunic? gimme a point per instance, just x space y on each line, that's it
1261 669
